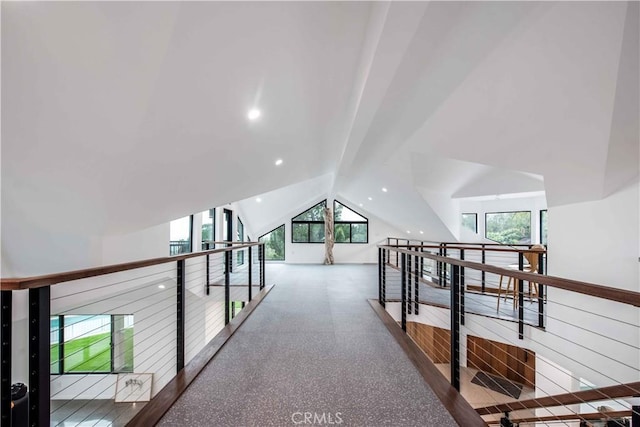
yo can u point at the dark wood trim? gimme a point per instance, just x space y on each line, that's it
612 294
603 393
591 416
453 401
52 279
153 411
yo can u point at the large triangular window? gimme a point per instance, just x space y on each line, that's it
349 226
308 227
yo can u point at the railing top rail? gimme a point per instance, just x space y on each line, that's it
605 292
14 284
462 243
474 248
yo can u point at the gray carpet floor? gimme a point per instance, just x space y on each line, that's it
313 352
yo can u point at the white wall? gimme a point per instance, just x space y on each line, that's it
152 242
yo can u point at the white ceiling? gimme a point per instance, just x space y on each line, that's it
118 116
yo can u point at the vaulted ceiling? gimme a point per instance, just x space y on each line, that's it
117 116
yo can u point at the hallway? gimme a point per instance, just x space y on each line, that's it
314 348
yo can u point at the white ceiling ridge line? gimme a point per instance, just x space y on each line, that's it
377 20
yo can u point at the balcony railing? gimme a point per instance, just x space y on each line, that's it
160 321
569 354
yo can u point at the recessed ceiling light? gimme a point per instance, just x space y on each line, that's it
258 199
360 204
421 232
384 189
370 198
408 232
278 162
253 114
161 286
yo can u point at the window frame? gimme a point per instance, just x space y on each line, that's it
476 220
284 243
62 342
505 212
351 224
206 245
240 237
546 214
308 224
190 236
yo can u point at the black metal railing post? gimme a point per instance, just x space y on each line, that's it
227 281
462 288
5 357
262 267
541 290
416 281
483 273
180 301
635 416
403 291
455 327
39 356
520 284
208 268
250 261
409 282
439 267
380 261
384 278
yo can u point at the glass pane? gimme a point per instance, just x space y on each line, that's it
207 227
54 339
179 236
469 220
87 343
316 213
343 213
358 233
343 233
123 343
509 228
317 233
300 233
543 227
274 244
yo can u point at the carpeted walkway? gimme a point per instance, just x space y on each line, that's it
313 352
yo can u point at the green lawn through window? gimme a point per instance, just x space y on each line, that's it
93 353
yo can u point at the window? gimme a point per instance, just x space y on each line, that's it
508 228
274 244
91 344
308 227
470 221
349 226
208 228
240 231
180 235
543 227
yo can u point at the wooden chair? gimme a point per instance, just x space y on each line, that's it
531 257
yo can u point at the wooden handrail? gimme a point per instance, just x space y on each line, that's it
471 248
591 416
14 284
605 292
573 398
463 243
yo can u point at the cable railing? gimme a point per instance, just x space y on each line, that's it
567 353
102 342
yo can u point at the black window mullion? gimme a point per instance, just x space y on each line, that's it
113 332
61 344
